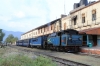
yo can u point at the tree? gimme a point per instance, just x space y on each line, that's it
1 38
1 35
11 39
14 39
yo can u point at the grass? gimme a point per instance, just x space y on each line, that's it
22 60
41 61
2 50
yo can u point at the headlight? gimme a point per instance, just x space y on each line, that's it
70 38
80 38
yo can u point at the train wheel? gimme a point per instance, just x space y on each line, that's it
28 46
44 45
57 48
31 46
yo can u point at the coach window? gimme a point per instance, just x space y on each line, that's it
83 18
93 15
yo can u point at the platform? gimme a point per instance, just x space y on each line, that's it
92 50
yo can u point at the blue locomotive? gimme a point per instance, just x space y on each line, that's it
67 40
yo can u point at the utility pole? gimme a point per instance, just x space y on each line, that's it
64 7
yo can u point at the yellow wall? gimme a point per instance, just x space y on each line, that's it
88 15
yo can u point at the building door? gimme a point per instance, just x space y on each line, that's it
94 40
84 40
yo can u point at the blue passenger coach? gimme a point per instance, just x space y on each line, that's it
26 42
19 43
36 41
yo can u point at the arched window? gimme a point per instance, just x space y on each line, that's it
83 18
64 26
93 14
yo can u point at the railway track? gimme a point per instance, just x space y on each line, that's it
61 61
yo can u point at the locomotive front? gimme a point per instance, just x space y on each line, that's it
71 40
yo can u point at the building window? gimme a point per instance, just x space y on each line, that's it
47 28
44 29
74 18
52 27
93 15
64 26
38 31
83 18
75 21
57 28
41 30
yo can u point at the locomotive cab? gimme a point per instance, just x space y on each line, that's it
71 40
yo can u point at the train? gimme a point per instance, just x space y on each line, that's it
66 40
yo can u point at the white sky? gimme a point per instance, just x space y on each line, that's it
24 15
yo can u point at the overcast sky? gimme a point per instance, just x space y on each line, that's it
24 15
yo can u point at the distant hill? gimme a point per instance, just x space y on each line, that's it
15 34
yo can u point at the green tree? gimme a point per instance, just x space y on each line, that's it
14 39
11 39
1 35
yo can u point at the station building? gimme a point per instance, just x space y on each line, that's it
85 18
51 27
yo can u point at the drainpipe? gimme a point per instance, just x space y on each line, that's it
88 43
